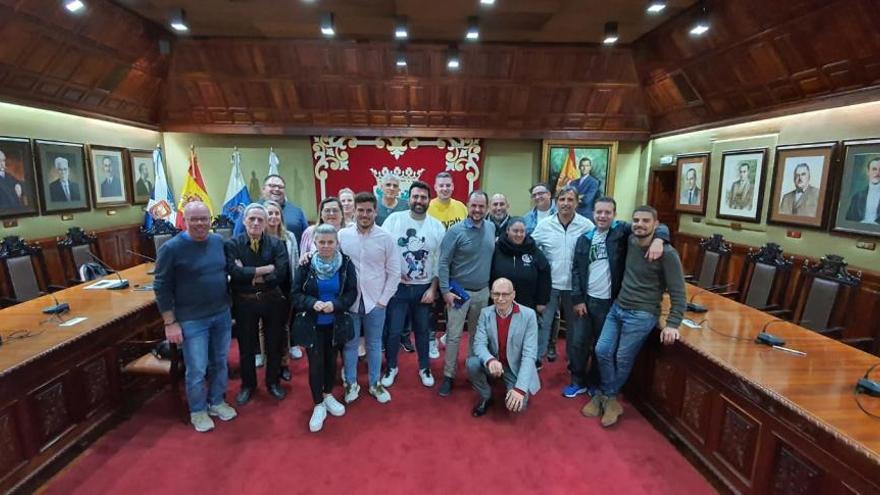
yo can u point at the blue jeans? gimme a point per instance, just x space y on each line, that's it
205 349
372 324
408 302
623 334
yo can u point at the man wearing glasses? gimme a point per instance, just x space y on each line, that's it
294 218
544 206
506 347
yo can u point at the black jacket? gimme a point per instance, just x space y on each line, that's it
304 295
616 245
857 204
272 252
525 266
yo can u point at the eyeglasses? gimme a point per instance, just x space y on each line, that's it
502 294
275 186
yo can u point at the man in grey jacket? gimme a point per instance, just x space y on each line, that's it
505 346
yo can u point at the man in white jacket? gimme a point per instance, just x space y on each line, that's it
557 236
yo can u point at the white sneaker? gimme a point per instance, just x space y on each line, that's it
296 352
222 411
433 349
201 421
379 392
319 414
351 392
427 378
258 360
443 340
333 406
388 377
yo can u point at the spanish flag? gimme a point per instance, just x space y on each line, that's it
193 189
569 171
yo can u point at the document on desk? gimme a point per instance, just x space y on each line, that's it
102 284
73 321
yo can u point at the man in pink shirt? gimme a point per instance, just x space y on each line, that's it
374 254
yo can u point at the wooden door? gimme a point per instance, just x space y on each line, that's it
661 195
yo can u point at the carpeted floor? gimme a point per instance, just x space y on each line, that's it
418 443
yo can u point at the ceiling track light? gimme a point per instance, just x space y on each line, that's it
473 31
702 23
401 28
487 2
178 21
655 7
73 6
453 58
611 36
400 58
328 28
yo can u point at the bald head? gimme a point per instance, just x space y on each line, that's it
198 220
503 295
498 207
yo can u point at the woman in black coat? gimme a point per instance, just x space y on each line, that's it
518 258
323 290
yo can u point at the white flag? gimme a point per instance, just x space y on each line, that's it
237 197
273 162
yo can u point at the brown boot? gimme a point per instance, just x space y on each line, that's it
594 408
612 411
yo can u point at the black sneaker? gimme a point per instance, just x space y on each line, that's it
445 387
407 344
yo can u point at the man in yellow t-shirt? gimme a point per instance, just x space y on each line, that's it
444 208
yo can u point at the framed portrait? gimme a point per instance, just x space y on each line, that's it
692 171
588 166
741 191
801 184
62 176
857 209
141 171
110 180
18 182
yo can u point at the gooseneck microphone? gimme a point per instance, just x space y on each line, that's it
143 256
773 341
699 308
121 284
58 308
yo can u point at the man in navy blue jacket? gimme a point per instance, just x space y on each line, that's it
597 275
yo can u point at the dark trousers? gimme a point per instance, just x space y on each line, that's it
270 308
322 363
597 311
406 305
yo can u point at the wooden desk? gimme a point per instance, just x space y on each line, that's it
763 420
63 382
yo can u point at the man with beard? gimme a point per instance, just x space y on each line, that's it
634 314
544 206
498 213
294 218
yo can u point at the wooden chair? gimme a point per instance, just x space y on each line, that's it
76 249
712 263
152 367
765 278
824 293
19 260
223 226
159 233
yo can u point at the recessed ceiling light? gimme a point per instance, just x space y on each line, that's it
656 7
473 32
178 21
401 29
453 61
400 59
702 23
327 27
73 5
610 33
487 2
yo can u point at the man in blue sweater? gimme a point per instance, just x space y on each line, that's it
191 293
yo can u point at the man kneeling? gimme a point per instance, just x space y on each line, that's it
505 346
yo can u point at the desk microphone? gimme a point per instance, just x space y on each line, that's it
699 308
143 256
773 341
58 308
867 386
122 284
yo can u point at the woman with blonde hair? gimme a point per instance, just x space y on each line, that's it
275 227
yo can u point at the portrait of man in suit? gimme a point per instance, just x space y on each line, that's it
587 187
111 186
10 187
740 195
63 189
864 205
143 186
690 193
804 199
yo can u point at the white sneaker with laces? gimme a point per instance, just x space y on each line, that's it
222 411
333 406
296 352
258 360
433 349
379 392
388 377
201 421
427 378
319 414
351 392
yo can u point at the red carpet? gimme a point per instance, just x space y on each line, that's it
418 443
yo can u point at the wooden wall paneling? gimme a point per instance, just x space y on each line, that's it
12 454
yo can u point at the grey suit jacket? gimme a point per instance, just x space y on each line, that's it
522 345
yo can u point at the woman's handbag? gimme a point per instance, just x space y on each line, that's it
343 329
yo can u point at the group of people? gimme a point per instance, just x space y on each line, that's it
374 272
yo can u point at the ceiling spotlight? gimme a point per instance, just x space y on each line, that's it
401 29
610 33
327 27
473 32
73 5
453 60
702 23
400 59
656 7
487 2
178 21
